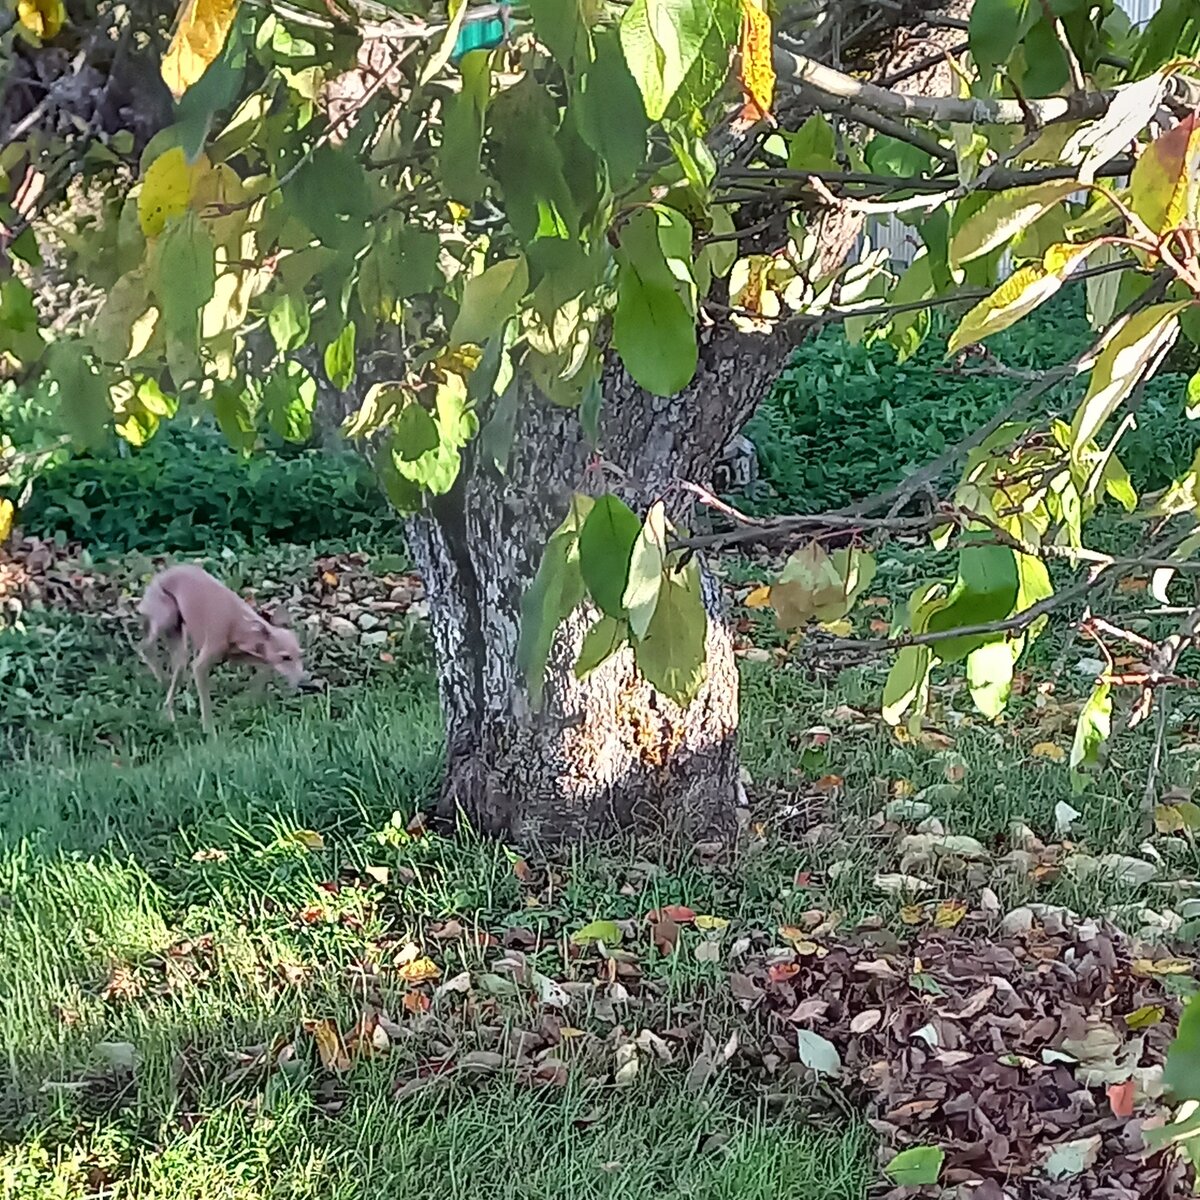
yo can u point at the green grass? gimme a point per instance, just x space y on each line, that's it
173 903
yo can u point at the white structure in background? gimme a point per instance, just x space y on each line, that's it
903 242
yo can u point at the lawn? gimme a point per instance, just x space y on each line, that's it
243 968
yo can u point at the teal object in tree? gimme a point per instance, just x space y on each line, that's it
482 30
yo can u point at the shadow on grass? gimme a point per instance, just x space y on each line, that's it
104 867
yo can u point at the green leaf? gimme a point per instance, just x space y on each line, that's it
235 417
608 932
1041 68
995 30
489 300
1092 730
402 262
989 677
600 643
551 598
886 155
918 1166
907 683
646 570
462 131
83 405
605 547
813 147
496 439
560 27
1162 185
215 90
527 162
612 117
185 281
1003 216
1133 345
1172 33
21 341
654 327
671 654
289 321
339 358
906 331
1181 1076
985 591
662 40
1193 397
810 586
340 217
289 397
415 433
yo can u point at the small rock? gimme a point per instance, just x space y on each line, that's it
401 594
342 627
368 621
376 637
419 609
1019 921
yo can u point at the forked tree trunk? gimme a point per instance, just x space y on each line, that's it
609 752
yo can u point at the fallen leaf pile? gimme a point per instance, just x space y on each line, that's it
340 597
1034 1062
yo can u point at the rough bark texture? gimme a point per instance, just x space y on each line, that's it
610 752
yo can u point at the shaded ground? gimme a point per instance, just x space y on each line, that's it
243 968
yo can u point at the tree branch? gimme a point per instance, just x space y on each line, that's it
830 88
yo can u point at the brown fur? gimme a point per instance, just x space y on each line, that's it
198 615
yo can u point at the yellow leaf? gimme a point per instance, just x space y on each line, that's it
1019 294
7 512
760 597
309 839
43 18
200 32
806 948
840 628
949 913
758 69
706 922
1162 966
1168 818
1144 1017
167 189
330 1047
420 970
1049 750
912 914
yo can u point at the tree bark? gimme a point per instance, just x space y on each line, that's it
610 752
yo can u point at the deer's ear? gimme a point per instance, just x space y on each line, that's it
251 637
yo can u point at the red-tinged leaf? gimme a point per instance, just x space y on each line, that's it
802 879
416 1002
666 935
1120 1098
781 972
1163 182
522 870
679 913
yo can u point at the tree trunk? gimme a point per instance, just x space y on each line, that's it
610 752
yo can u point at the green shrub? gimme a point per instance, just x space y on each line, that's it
187 491
845 420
